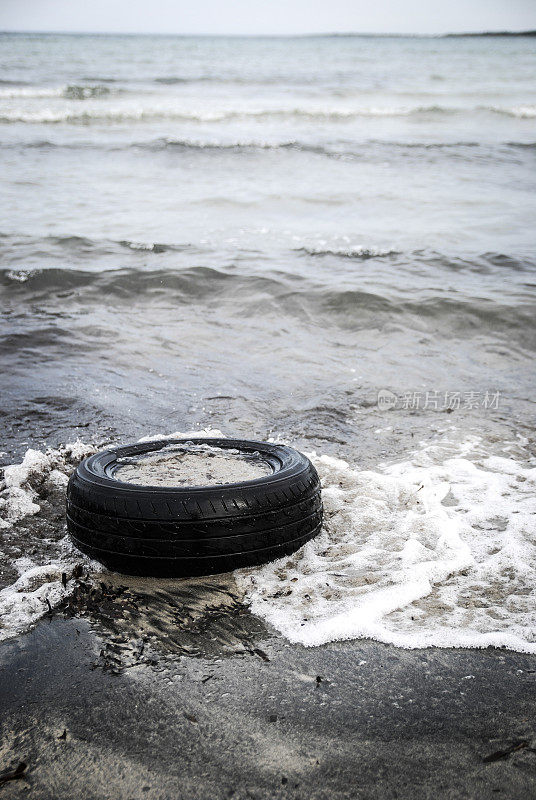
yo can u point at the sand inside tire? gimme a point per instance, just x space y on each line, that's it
190 464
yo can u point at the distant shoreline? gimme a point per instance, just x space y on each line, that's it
477 34
333 35
490 33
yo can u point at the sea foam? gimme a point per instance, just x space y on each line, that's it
36 486
418 554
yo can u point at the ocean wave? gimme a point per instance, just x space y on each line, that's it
180 285
521 112
76 92
522 145
172 80
69 92
350 309
345 150
74 246
336 150
152 247
359 253
166 143
36 255
132 114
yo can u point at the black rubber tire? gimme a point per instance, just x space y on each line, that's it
200 530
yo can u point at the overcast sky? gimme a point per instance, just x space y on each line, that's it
267 16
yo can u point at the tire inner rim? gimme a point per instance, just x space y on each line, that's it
191 464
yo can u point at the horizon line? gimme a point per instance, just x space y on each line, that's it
324 34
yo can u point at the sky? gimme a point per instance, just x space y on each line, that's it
252 17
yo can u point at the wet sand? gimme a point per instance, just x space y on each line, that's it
110 698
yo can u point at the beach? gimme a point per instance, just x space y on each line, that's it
355 719
322 241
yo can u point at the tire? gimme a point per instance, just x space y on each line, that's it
199 530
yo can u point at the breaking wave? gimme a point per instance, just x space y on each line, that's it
68 92
358 253
143 114
522 112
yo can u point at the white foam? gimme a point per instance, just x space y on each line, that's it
39 585
20 276
19 489
128 110
31 91
68 91
199 433
25 601
39 588
351 252
521 112
17 496
427 552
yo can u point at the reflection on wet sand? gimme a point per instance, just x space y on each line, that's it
139 619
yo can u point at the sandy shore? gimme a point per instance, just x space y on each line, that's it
230 709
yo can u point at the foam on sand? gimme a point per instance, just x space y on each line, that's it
26 600
36 488
427 552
